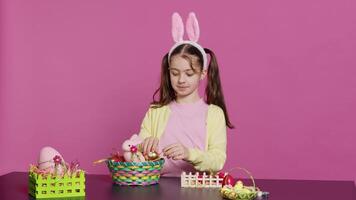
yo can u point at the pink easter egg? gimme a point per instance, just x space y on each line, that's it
45 159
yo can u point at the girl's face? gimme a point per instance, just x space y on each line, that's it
184 79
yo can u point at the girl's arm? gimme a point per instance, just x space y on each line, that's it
150 142
213 159
145 130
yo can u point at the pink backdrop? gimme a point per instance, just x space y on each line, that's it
78 76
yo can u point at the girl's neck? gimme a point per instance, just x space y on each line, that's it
192 98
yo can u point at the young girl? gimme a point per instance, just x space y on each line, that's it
190 132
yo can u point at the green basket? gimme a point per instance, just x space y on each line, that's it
229 193
135 173
47 186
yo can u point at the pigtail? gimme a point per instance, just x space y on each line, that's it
165 90
213 90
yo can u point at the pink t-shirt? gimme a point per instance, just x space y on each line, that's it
186 125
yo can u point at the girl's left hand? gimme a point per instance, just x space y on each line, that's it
176 151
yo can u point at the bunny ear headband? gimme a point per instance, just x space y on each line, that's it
192 27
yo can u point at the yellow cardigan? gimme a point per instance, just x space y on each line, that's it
212 159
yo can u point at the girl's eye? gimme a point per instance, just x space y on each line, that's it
174 74
190 74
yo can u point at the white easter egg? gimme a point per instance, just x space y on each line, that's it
45 159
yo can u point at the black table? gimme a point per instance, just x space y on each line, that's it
99 187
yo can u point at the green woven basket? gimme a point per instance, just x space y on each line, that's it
230 193
48 186
135 173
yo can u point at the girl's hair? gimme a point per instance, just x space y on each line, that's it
213 90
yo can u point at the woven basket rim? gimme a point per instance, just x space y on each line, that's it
139 164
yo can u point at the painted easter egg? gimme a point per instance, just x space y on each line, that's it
152 155
228 180
48 158
239 185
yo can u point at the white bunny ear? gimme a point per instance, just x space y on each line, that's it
192 27
134 136
177 27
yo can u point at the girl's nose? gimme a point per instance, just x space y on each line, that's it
181 79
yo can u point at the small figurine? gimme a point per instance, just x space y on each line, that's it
131 153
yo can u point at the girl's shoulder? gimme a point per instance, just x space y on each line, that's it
215 113
156 109
212 108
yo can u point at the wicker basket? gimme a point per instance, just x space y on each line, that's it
47 186
230 193
135 173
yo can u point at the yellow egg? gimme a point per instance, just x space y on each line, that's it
152 155
246 191
239 185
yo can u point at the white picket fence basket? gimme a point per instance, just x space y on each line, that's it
203 180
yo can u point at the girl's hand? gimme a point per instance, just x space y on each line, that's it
150 144
176 151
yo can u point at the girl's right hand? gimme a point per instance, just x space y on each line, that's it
150 144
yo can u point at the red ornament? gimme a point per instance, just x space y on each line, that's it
116 157
228 180
133 149
221 174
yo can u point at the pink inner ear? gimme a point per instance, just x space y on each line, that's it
177 27
192 27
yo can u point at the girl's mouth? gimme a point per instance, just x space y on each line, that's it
182 88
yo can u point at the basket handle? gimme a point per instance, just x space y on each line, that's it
247 172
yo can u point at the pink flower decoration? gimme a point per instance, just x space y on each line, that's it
57 159
133 149
74 165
